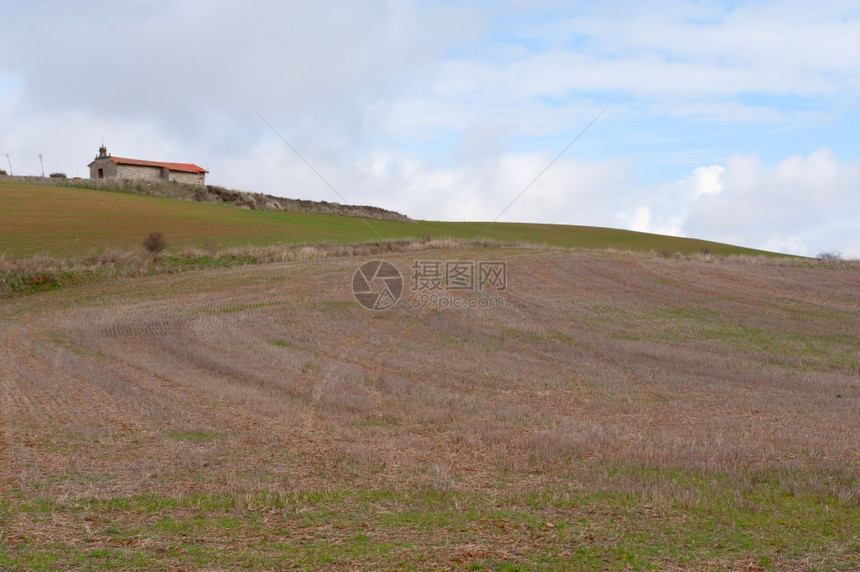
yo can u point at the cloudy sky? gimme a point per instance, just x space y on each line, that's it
728 121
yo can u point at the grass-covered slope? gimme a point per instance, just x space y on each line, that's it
69 222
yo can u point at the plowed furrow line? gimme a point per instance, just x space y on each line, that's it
6 420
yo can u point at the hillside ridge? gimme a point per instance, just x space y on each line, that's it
213 194
74 220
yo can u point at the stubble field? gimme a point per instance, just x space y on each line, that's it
619 411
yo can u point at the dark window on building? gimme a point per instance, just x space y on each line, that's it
101 173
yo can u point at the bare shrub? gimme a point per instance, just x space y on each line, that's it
308 252
7 262
832 255
57 176
704 255
154 243
38 264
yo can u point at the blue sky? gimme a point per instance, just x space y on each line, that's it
728 121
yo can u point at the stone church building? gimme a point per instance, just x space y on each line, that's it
106 166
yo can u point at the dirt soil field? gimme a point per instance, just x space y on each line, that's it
618 411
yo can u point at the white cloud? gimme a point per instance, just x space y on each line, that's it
448 110
801 204
196 68
727 112
706 180
570 192
798 205
641 220
784 47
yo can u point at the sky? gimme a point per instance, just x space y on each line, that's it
735 122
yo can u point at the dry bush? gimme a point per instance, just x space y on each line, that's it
192 253
831 255
112 258
8 263
154 243
445 244
788 262
704 255
286 253
309 253
38 264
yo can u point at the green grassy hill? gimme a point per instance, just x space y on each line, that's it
69 222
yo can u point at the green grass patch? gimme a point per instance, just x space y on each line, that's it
192 436
640 518
699 323
29 283
72 222
798 344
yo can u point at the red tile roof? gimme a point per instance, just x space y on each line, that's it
183 167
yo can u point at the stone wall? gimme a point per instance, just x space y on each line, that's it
140 173
259 201
113 170
37 180
210 194
188 178
108 166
